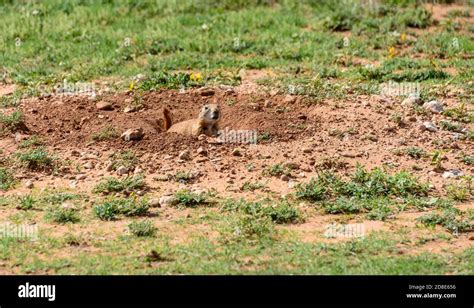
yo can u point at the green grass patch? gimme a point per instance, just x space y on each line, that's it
127 184
7 180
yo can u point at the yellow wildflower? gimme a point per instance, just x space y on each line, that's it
403 37
391 52
195 77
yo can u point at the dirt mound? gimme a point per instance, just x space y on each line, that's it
72 121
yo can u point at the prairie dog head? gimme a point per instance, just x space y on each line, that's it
210 113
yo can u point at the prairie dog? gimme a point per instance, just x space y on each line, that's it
206 123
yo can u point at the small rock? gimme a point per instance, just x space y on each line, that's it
109 167
21 137
81 176
291 165
185 155
103 105
140 193
75 153
284 177
161 177
452 173
292 184
412 100
429 126
202 151
138 170
154 203
89 165
206 92
290 99
236 152
307 150
267 103
133 134
29 184
130 109
73 184
122 170
434 106
166 201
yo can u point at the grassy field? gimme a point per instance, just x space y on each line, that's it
320 50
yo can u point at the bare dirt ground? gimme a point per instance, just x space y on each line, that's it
312 137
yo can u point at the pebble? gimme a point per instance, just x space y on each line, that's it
202 151
412 100
284 177
29 184
166 201
185 155
429 126
452 173
154 203
434 106
133 134
81 176
88 165
236 152
122 170
102 105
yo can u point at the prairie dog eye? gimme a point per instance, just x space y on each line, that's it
206 108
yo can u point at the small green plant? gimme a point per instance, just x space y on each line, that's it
12 122
127 184
183 177
276 170
251 186
7 180
62 215
415 152
453 127
265 136
452 219
283 213
105 211
107 133
26 202
467 160
312 191
127 159
31 142
381 212
60 197
254 227
36 159
397 118
459 113
187 198
111 208
143 228
169 80
461 191
437 158
343 206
